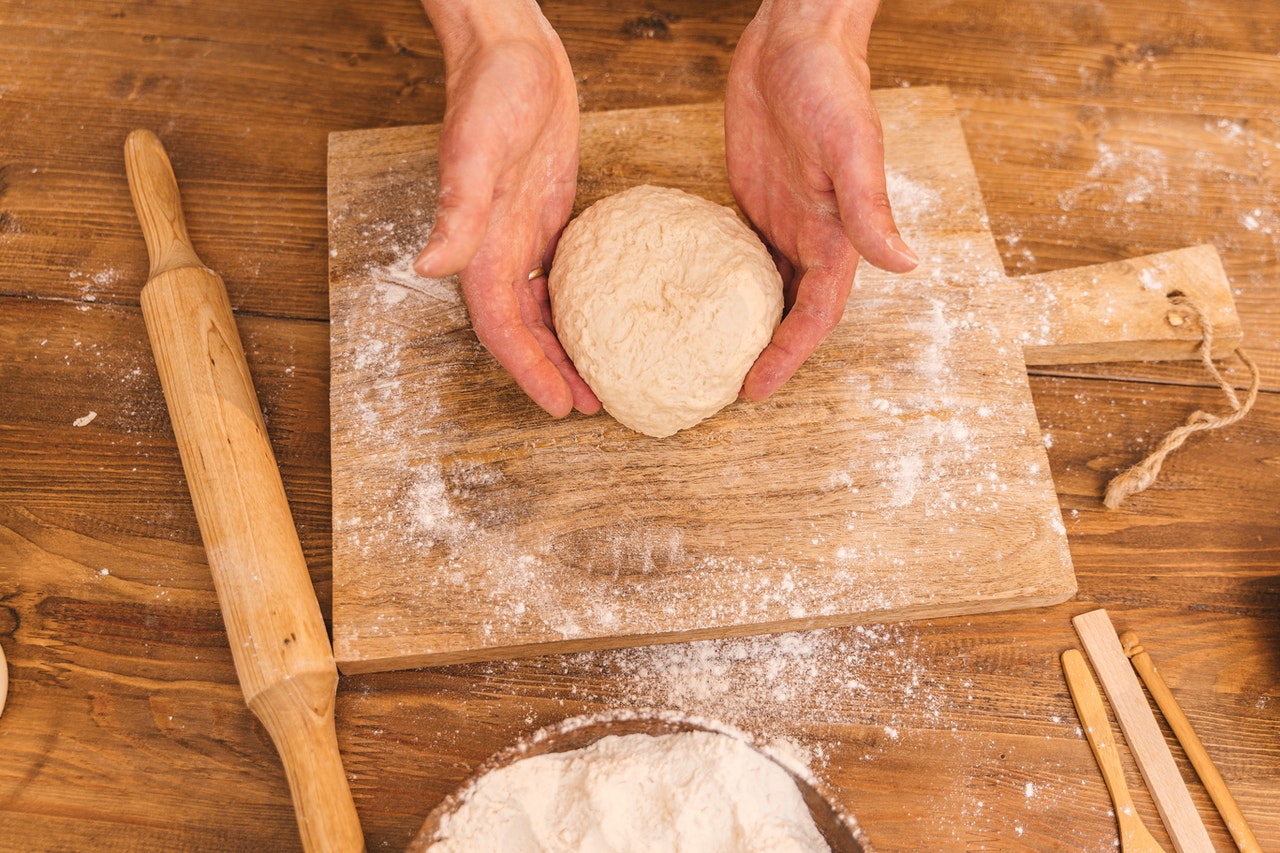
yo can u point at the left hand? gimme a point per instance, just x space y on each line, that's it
805 156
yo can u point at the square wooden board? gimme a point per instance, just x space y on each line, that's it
900 475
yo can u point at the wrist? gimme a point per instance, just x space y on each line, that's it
465 25
850 19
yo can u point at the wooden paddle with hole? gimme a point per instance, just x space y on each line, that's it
1134 836
282 653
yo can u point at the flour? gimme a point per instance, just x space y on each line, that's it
1132 173
498 512
691 792
775 681
911 199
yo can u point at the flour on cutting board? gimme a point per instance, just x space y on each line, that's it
424 505
911 199
466 512
900 474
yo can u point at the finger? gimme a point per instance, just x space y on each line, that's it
468 176
819 305
535 307
497 321
862 195
584 399
872 230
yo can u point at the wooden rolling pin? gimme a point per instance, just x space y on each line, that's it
278 639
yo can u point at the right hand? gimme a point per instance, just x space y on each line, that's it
508 159
805 157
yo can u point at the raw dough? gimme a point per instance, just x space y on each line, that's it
663 300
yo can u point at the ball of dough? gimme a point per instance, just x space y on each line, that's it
663 300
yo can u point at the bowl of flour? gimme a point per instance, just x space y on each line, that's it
639 783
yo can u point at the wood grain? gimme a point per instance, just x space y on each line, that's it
1099 132
900 475
284 661
1122 311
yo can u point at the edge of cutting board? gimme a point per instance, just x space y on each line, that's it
1032 565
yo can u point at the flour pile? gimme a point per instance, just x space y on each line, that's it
691 792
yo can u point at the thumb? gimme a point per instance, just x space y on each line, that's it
820 300
468 176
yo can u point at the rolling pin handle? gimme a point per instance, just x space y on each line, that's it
307 743
158 204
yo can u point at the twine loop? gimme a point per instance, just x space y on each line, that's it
1143 474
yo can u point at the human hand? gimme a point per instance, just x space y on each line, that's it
508 159
805 157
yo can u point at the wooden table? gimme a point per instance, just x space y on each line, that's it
1099 131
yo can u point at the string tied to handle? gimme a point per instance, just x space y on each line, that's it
1143 474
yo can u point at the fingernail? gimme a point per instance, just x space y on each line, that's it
897 244
422 264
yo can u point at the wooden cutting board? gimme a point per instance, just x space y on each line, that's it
900 474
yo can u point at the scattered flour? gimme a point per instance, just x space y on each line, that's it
775 681
690 792
1127 172
451 513
88 281
911 199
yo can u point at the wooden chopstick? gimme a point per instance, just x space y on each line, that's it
1146 741
1191 745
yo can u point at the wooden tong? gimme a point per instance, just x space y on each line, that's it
1146 741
